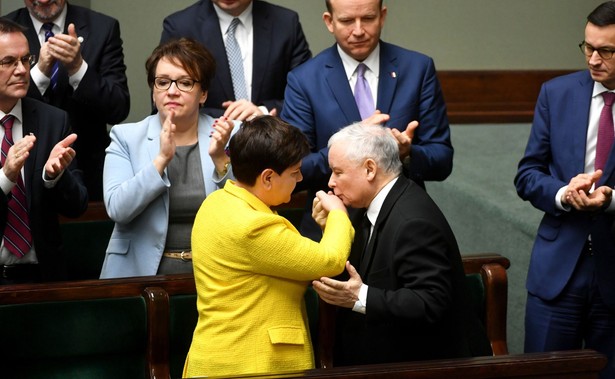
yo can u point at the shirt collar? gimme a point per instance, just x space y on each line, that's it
225 19
599 89
376 205
16 111
350 64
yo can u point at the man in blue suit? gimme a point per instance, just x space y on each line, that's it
567 173
319 97
271 41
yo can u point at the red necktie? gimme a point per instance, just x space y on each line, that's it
17 235
605 131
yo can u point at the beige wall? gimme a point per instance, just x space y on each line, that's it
458 34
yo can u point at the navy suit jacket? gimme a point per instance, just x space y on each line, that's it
417 301
319 101
102 95
279 46
68 197
555 154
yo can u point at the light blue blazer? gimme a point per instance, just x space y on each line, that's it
137 197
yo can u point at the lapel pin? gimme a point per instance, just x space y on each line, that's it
80 39
393 75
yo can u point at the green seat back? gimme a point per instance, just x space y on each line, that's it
183 317
102 338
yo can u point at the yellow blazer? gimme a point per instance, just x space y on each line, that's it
252 268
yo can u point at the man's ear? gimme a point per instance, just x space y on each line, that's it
266 178
370 168
328 19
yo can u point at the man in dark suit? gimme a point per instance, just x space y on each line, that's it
271 41
403 87
405 296
568 172
36 169
91 82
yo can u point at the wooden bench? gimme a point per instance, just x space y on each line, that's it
142 327
573 364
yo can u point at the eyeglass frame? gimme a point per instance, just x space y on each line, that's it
600 50
28 59
171 81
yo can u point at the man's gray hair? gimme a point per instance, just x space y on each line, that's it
370 141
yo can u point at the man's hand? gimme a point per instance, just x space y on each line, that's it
318 213
377 118
60 157
578 195
16 157
241 110
343 294
65 48
404 139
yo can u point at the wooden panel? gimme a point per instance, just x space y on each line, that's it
493 96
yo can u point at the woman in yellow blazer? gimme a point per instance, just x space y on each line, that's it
252 266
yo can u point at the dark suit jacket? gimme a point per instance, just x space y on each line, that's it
279 46
102 96
416 301
555 153
319 101
68 198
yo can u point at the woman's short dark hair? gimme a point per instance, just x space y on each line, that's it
265 142
187 53
603 15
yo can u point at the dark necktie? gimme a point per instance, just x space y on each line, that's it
235 62
363 94
47 27
17 235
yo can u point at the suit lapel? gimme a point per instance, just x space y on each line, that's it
82 28
355 251
30 124
261 46
396 191
581 101
387 79
340 88
154 127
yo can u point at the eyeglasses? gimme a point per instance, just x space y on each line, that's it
183 84
604 53
26 60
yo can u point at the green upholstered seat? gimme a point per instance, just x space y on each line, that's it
101 338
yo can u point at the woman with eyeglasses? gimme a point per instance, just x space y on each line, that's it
158 171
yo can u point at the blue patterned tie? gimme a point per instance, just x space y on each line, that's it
17 234
363 94
235 62
47 27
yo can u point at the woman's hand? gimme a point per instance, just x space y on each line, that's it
167 144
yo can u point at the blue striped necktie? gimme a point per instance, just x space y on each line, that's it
47 27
